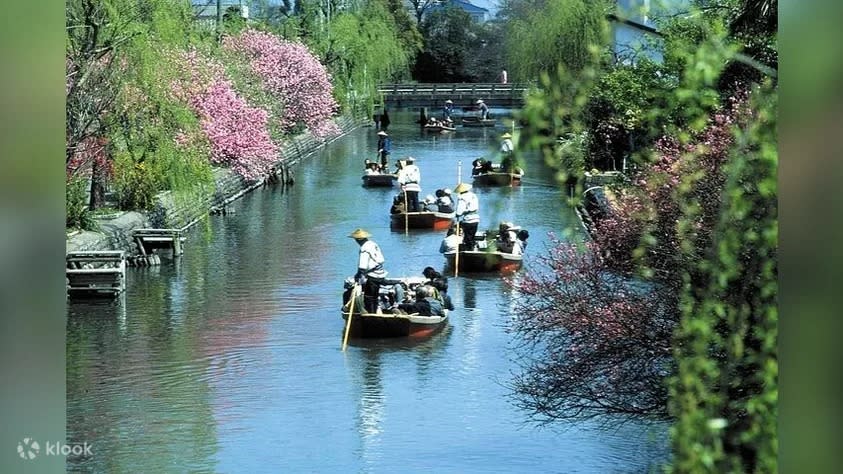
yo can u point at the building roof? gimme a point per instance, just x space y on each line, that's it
463 4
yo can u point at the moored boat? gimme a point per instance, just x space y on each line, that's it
477 122
497 178
422 220
384 322
438 128
381 180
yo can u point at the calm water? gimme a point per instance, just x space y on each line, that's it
229 360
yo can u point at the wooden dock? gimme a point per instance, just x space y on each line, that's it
462 94
96 272
151 239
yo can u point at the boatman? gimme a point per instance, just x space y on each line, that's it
410 178
447 110
483 109
384 147
370 272
468 208
508 161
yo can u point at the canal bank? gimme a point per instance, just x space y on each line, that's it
182 212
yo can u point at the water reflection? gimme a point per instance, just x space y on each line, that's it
228 359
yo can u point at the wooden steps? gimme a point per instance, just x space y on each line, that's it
96 272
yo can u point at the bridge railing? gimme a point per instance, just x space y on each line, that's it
479 90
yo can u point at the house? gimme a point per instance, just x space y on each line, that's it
479 14
634 30
205 11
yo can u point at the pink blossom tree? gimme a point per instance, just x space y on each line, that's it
237 132
293 75
598 328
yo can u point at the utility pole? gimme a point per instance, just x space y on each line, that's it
219 20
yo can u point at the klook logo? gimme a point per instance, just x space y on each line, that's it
28 448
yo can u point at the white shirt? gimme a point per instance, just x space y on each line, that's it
371 260
410 177
450 244
467 207
506 146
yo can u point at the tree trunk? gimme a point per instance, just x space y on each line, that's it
97 187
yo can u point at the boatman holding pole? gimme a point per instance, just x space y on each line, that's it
410 178
384 146
370 272
468 208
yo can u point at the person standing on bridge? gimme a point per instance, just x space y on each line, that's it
483 109
503 77
384 146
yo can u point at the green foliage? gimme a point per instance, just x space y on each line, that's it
540 37
725 394
148 118
77 214
362 50
452 39
618 112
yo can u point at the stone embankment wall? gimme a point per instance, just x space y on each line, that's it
183 211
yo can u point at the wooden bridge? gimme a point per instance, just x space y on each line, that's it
463 94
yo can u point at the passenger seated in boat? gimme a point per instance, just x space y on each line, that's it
506 237
424 305
429 204
398 206
452 241
439 283
520 244
444 203
371 168
480 165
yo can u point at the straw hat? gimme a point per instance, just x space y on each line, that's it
506 135
359 234
479 101
462 187
449 101
382 133
409 159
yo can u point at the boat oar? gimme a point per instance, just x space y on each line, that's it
457 255
351 303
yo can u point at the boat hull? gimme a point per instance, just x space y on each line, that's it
368 325
480 261
379 180
438 128
474 122
422 220
497 179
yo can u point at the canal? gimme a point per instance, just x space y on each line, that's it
229 360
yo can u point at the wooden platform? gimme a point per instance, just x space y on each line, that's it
150 239
96 272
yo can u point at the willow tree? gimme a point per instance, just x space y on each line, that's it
543 34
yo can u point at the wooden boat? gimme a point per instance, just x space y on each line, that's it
486 261
422 220
497 178
384 323
379 180
476 122
438 128
488 256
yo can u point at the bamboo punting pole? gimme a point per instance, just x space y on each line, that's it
351 302
457 255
